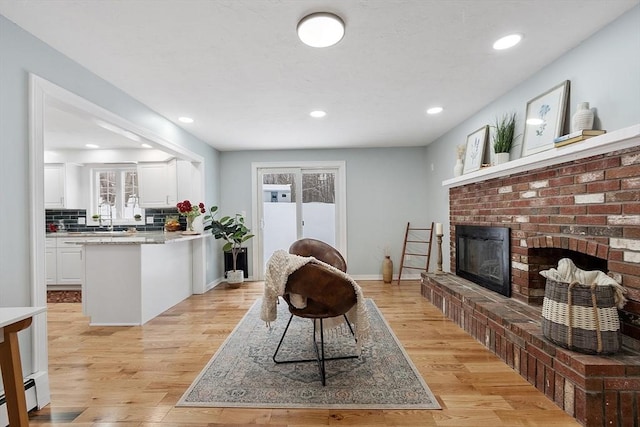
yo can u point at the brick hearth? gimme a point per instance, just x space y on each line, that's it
581 202
596 390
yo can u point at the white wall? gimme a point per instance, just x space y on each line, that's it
383 193
21 54
603 70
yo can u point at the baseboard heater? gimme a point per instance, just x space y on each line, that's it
30 395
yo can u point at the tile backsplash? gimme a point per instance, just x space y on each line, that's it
70 219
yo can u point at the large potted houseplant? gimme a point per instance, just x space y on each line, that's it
504 137
234 232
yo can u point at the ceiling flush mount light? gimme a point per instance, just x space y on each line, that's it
434 110
317 114
145 145
321 29
507 41
184 119
91 146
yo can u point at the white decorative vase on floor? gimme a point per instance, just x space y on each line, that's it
235 278
457 169
583 118
501 158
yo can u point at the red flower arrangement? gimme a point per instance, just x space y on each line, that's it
187 209
190 211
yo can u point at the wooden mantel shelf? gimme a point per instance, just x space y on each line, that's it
606 143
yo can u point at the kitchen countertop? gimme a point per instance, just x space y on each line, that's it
124 238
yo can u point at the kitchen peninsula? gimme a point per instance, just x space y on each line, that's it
130 278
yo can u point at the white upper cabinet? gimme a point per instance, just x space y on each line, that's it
62 186
152 185
163 184
54 196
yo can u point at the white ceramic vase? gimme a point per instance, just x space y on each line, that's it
583 118
457 169
501 158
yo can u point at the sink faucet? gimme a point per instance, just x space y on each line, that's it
104 217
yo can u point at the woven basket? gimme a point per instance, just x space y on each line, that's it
581 317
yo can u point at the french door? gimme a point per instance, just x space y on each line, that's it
296 201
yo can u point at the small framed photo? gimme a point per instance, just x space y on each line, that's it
544 120
474 154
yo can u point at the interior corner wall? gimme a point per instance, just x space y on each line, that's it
383 193
21 54
604 70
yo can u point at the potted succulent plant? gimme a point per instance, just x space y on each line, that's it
503 137
232 230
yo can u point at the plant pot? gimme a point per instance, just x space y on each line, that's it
235 278
501 158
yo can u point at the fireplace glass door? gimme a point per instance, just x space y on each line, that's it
482 256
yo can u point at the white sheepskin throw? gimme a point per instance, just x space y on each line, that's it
568 272
281 265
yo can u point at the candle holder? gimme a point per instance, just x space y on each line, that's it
439 260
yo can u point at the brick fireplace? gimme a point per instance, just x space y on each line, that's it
587 209
580 202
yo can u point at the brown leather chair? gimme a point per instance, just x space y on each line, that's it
327 295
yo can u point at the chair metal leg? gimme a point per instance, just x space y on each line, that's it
282 339
320 357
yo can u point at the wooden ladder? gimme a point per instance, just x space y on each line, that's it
419 245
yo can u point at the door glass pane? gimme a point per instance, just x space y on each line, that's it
319 206
279 212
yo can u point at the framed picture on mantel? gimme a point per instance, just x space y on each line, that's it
544 120
474 154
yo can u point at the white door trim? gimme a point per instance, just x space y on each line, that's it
42 91
256 210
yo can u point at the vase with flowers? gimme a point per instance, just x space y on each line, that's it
191 211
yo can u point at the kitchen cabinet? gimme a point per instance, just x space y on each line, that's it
64 262
61 186
70 265
50 261
152 185
164 184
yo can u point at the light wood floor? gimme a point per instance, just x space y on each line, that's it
133 376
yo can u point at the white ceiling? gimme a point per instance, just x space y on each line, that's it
237 67
70 129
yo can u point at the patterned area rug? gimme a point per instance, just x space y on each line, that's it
242 373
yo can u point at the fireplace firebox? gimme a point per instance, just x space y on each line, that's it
483 256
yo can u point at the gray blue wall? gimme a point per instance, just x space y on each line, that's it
21 54
604 70
384 191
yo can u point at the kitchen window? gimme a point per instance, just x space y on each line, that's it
115 195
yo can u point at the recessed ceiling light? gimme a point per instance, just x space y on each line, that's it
185 119
91 146
146 146
321 29
318 114
434 110
507 41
